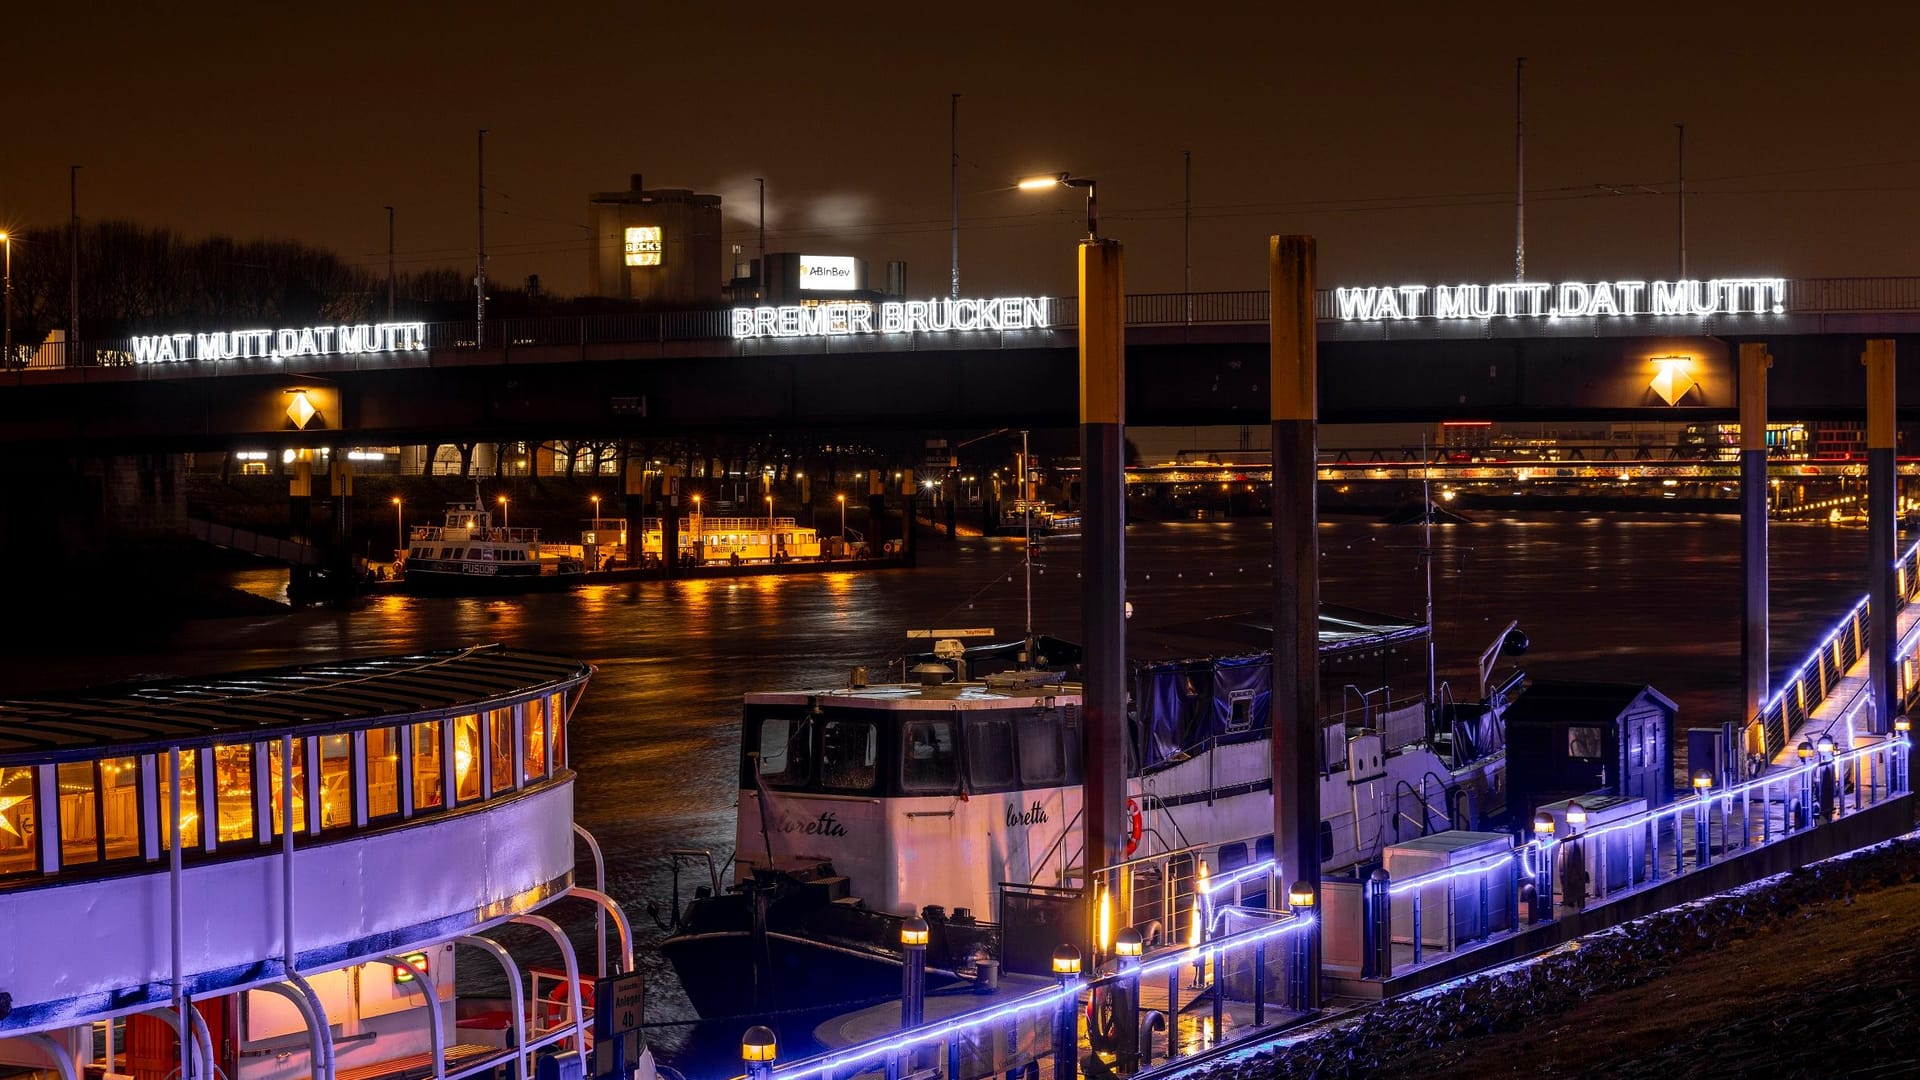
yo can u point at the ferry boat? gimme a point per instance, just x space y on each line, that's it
706 540
862 804
468 554
350 836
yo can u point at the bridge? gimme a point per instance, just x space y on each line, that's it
1197 358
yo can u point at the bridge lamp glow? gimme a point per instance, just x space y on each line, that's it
1805 750
1902 725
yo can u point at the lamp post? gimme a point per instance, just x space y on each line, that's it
399 525
506 519
1543 879
1902 734
757 1048
1038 183
1828 788
1702 810
913 972
1575 858
842 500
1126 1006
595 500
1805 754
7 239
1066 1040
1306 989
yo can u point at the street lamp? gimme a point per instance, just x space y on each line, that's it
1036 183
7 239
842 498
595 499
506 521
399 526
769 513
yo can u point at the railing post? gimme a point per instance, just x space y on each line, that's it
1126 1002
1066 1036
1377 927
1415 896
913 972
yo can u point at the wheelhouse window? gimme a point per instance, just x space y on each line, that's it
189 800
784 754
336 781
79 805
534 740
849 755
280 780
383 772
930 763
466 758
500 744
120 808
19 832
556 731
428 779
990 753
1042 745
233 792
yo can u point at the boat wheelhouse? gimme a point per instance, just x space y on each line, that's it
469 553
347 833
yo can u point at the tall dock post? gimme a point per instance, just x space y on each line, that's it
1883 524
1103 581
1294 715
1754 642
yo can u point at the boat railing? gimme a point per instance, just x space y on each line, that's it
1170 890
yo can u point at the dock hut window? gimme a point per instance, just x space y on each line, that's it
849 755
336 781
19 835
281 780
79 803
233 792
990 754
1584 743
189 800
930 762
383 772
466 758
428 780
534 740
500 744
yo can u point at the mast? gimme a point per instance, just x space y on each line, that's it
1519 170
1026 515
954 184
480 263
1426 558
1680 151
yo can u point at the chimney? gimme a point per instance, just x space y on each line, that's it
634 179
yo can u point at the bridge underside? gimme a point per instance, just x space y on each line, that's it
1175 376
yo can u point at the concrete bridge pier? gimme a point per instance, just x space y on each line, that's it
876 509
1754 641
636 502
341 587
1883 526
670 519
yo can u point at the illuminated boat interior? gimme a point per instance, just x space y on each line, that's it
349 832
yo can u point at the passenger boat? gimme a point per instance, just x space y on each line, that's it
350 836
862 804
706 540
468 554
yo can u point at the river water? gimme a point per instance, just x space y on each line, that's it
1651 598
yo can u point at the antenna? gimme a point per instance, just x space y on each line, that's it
1519 170
1680 152
1426 558
1026 515
480 263
955 184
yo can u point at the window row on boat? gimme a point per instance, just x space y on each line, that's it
504 554
864 751
113 814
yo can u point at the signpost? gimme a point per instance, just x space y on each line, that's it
618 1010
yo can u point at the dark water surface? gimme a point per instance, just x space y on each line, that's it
1644 598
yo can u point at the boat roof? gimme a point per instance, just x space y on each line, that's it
1342 630
350 693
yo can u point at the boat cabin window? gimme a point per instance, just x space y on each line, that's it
1042 749
383 772
233 792
428 780
990 754
849 755
336 781
784 748
466 758
19 826
930 763
534 740
189 800
280 781
556 731
500 742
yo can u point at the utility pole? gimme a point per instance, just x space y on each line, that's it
760 284
1519 169
1186 278
389 264
73 264
954 183
480 271
1680 149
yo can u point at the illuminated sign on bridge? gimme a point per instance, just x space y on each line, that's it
1564 300
286 344
892 317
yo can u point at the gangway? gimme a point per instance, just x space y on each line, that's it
292 552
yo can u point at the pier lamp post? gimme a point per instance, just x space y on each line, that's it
1702 811
506 518
595 500
7 239
842 500
1824 782
399 525
1066 1039
1574 859
1543 866
1038 183
1902 736
1126 1005
757 1049
913 972
1805 812
1305 993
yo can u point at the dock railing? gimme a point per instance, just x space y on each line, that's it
1218 992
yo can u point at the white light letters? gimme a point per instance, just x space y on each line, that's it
895 317
1564 300
279 345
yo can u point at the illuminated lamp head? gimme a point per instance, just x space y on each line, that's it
913 932
1543 825
1300 895
1825 745
1576 814
757 1044
1127 943
1805 750
1066 961
1702 781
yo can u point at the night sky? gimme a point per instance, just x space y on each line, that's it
1384 129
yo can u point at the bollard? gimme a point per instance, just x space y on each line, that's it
1126 1002
757 1050
1543 865
913 972
1702 817
1306 981
1066 1036
1376 931
1897 757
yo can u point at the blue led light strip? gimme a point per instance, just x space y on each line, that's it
1494 862
1262 867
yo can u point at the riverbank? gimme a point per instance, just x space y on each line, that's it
1811 974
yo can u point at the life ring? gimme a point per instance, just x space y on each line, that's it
1134 826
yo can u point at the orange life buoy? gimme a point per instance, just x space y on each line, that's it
1133 826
